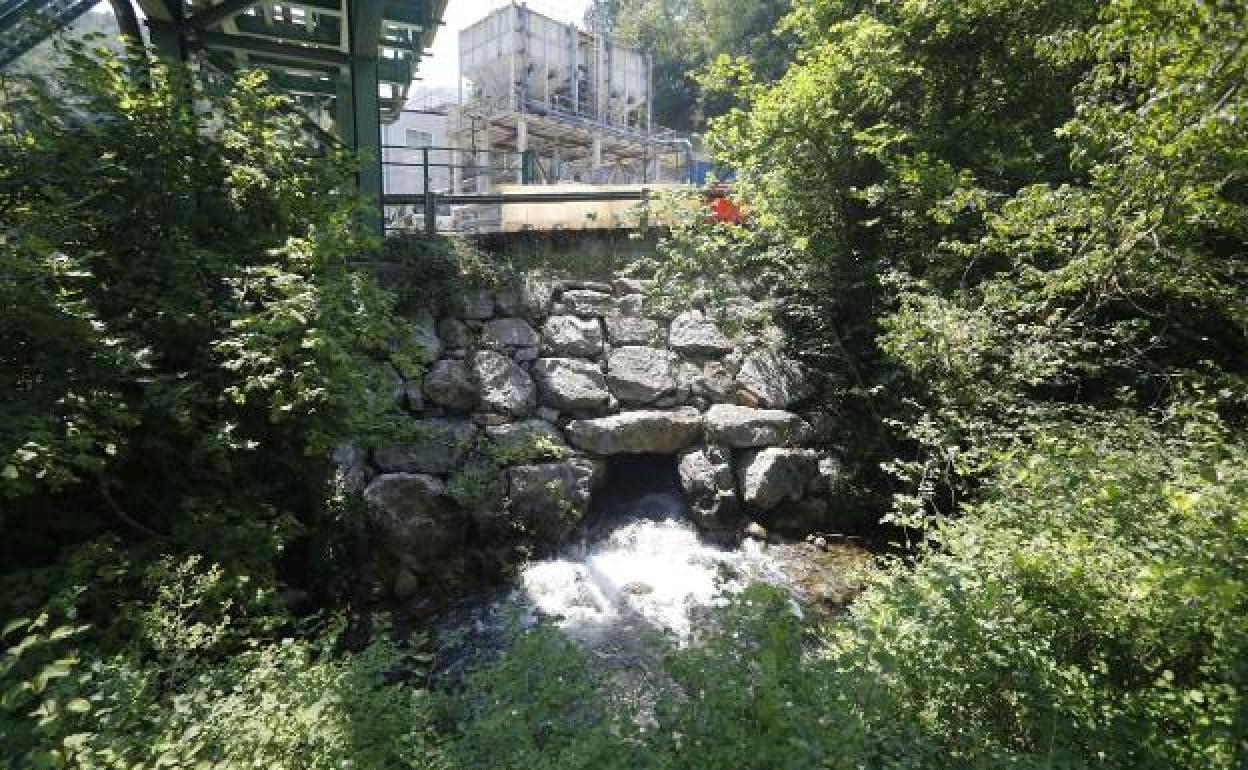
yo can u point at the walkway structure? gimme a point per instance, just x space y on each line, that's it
347 63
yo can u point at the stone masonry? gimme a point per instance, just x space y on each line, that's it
527 393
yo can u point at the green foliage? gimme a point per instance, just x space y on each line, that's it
183 341
683 36
1088 611
543 703
66 703
433 272
990 214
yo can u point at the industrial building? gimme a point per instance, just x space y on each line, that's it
572 105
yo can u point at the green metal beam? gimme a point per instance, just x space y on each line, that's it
250 44
325 30
217 14
364 21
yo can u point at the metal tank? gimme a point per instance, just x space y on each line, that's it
517 59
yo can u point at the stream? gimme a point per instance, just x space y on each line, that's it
638 567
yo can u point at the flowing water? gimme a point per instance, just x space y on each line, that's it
639 568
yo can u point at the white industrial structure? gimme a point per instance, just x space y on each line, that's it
574 104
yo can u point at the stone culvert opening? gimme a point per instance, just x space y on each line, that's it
637 486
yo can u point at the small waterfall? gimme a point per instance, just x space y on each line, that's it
646 572
637 567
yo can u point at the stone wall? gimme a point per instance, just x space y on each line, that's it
529 391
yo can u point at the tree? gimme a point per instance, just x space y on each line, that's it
684 36
183 341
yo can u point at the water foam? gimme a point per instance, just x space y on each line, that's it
653 572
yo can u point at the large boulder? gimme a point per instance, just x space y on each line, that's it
774 379
641 375
549 499
743 426
508 334
414 516
505 387
798 517
768 477
422 335
454 333
525 442
587 302
450 383
570 384
441 446
637 431
568 335
706 477
623 329
536 293
694 334
478 305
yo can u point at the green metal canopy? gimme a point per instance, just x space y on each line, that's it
348 63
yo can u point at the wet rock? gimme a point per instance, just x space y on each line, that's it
774 379
570 384
633 330
450 383
641 375
504 386
442 445
414 515
568 335
454 333
549 499
508 333
479 305
637 431
693 334
706 477
768 477
588 303
524 442
741 426
524 354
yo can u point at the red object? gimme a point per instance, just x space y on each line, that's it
724 210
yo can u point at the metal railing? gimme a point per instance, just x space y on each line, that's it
423 183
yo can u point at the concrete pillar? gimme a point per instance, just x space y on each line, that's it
556 164
522 146
483 162
596 152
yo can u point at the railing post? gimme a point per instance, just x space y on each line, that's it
431 209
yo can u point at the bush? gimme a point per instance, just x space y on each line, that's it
199 685
183 341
